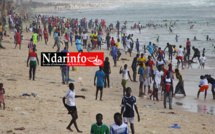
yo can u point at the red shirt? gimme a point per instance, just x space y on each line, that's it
112 43
160 52
188 43
151 62
164 73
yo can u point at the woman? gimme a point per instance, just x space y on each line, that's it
71 107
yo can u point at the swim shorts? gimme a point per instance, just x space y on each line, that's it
204 88
124 83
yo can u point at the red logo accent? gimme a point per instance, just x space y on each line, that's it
85 59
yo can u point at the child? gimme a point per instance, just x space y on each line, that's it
203 84
99 127
118 127
2 92
202 61
168 90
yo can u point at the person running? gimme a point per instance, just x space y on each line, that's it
71 107
125 74
99 127
141 79
134 67
100 82
203 84
18 39
107 71
196 53
2 97
127 109
170 51
168 90
180 56
202 61
118 127
179 89
33 57
212 82
79 44
45 32
114 53
85 38
157 82
147 81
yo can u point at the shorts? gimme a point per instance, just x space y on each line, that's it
147 81
196 56
213 85
99 88
99 43
71 109
128 119
157 85
180 57
141 79
0 33
124 83
204 88
129 50
84 42
40 35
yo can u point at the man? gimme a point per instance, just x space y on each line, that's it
168 89
161 55
125 74
45 32
151 63
107 71
1 31
212 82
34 37
124 40
140 26
100 82
170 51
65 70
31 45
66 41
179 89
127 109
33 57
95 36
150 48
196 53
203 84
99 41
147 81
99 127
137 46
128 43
79 44
114 54
142 60
141 79
134 67
108 41
180 56
188 46
85 38
118 127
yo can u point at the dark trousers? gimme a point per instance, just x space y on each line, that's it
108 80
66 45
32 67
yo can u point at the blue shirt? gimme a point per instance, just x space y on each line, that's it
100 75
141 71
122 129
71 37
114 50
55 34
99 38
78 44
128 105
151 48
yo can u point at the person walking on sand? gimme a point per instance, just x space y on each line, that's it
114 54
33 57
147 81
134 67
99 127
141 79
18 39
71 107
179 89
100 75
168 90
127 109
125 74
203 84
107 71
45 32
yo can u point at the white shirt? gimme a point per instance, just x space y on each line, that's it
128 43
125 74
158 76
84 36
70 98
180 52
160 62
202 59
140 25
203 82
122 129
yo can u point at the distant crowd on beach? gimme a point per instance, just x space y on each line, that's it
155 71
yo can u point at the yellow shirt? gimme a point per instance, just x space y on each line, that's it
95 36
142 60
0 28
117 45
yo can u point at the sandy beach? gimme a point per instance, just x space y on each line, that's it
46 114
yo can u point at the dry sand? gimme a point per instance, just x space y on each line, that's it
45 113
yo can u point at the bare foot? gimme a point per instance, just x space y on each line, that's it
69 129
79 131
101 100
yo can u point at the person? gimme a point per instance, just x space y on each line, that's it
170 51
118 127
151 63
142 59
85 38
127 109
128 43
45 32
139 26
100 82
58 41
141 79
99 41
95 36
107 71
124 40
134 67
1 32
180 56
157 82
203 84
207 37
112 42
40 33
34 37
176 38
161 55
117 44
202 61
18 39
114 53
89 47
108 41
147 81
125 74
188 46
212 82
2 92
137 46
150 48
70 37
159 62
179 89
66 41
99 127
79 44
65 70
33 57
168 90
196 53
30 45
71 107
158 39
